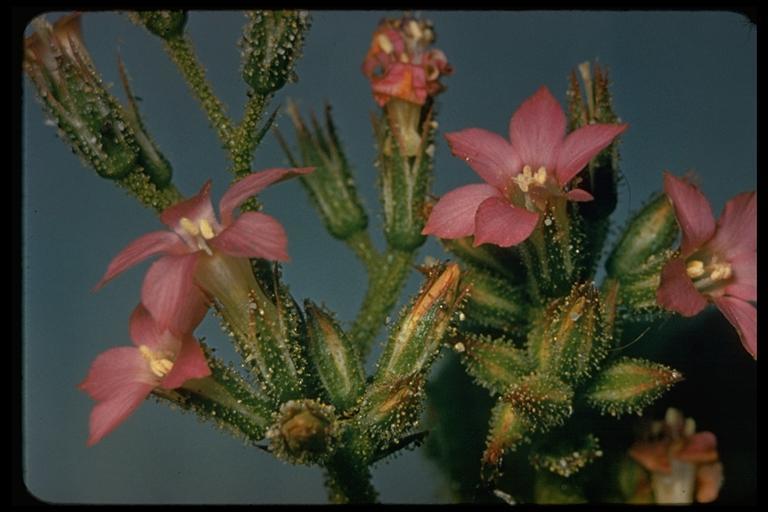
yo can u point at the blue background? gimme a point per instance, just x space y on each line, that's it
684 81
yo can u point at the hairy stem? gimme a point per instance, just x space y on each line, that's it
246 136
363 247
348 479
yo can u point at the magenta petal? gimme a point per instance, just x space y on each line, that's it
744 283
743 316
190 363
404 81
692 211
537 129
487 153
144 330
581 146
498 222
737 228
700 447
253 235
119 380
252 185
454 214
140 249
676 291
579 195
170 294
197 207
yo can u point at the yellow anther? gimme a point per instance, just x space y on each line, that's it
385 44
690 427
695 268
721 271
527 171
159 365
526 178
415 30
541 176
206 230
189 226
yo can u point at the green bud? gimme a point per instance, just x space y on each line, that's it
224 398
305 432
507 429
569 338
495 364
335 357
164 24
504 261
330 186
565 455
629 385
415 340
492 303
404 182
272 43
649 232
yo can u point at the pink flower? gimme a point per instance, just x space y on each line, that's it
121 378
521 175
683 463
171 289
400 66
717 263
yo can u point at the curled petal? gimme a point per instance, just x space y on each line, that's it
403 81
537 129
498 222
141 249
676 291
195 208
700 447
252 185
692 211
583 145
487 153
743 316
253 235
737 228
709 479
454 214
119 380
190 363
579 195
144 330
744 284
170 294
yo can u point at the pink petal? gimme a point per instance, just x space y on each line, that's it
700 447
537 129
252 185
119 380
743 316
579 195
141 249
744 280
171 295
144 330
499 223
583 145
676 291
737 228
253 235
692 211
709 479
487 153
195 208
653 456
404 81
454 214
190 363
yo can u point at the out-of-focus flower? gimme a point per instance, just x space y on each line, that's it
404 73
199 252
121 378
717 263
521 175
684 464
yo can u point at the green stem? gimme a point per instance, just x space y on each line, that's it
245 140
384 286
360 243
139 185
183 55
348 479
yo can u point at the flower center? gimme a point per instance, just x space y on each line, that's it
707 273
159 364
200 232
527 178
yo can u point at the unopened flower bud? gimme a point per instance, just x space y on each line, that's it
495 364
272 43
305 432
492 303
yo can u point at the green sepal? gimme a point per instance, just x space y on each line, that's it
507 429
629 385
334 356
224 398
492 303
543 401
164 24
569 338
563 454
272 43
495 364
504 261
